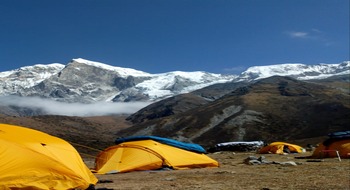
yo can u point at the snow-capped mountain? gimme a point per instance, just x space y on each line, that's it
87 81
296 70
12 82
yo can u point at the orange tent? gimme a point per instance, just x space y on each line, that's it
30 159
280 148
338 144
148 155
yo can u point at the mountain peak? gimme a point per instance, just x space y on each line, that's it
297 70
124 72
11 82
90 81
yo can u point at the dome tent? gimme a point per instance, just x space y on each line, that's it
339 142
31 159
280 148
137 154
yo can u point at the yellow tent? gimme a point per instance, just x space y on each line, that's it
148 155
328 149
280 148
30 159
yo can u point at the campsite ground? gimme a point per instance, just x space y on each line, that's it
309 174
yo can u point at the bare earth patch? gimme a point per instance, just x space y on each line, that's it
234 174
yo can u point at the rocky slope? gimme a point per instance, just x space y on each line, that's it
207 110
271 109
86 81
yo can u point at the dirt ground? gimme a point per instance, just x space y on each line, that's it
233 173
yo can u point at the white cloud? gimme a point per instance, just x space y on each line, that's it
316 30
314 34
73 109
298 34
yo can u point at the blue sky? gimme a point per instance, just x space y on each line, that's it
156 36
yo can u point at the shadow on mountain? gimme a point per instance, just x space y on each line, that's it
271 109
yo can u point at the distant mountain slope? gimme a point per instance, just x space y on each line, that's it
12 82
183 102
88 82
295 70
271 109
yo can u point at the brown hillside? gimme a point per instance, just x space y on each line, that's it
277 108
272 109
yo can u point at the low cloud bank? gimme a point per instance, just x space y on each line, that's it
52 107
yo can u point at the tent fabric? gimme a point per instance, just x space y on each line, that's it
31 159
148 155
339 135
171 142
341 145
339 141
280 148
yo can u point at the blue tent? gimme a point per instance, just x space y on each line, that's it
186 146
340 134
